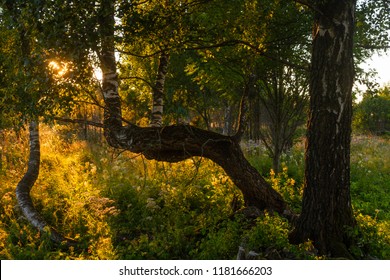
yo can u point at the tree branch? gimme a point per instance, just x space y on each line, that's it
310 6
137 78
79 121
373 47
228 43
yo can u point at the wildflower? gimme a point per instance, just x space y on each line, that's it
93 169
224 179
151 204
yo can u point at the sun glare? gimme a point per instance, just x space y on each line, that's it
58 68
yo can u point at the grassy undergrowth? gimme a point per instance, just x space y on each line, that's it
118 205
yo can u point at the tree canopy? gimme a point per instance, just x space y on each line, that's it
217 45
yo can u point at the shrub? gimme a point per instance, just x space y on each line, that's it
372 115
371 238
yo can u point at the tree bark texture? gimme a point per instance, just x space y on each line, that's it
110 82
180 142
326 209
27 182
158 91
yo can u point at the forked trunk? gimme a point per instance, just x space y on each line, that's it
177 143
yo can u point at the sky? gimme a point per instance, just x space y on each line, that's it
382 66
381 63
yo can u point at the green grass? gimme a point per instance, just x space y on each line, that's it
370 176
118 205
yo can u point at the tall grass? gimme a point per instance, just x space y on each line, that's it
118 205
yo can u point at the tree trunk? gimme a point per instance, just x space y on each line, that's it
177 143
276 160
327 210
1 152
158 91
226 130
27 182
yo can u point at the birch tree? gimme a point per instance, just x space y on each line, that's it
327 209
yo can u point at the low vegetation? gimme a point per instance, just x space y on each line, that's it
118 205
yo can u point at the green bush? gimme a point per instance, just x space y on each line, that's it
372 114
371 238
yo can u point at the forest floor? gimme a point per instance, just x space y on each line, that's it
118 205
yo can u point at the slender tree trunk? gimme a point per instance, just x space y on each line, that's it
256 119
27 182
327 210
158 91
180 142
110 83
276 160
227 120
243 114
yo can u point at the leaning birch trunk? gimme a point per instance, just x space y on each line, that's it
26 184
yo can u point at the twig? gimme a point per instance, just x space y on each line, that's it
79 121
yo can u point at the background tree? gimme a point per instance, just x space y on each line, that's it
283 99
39 85
372 114
371 37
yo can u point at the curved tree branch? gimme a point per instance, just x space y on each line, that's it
179 142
